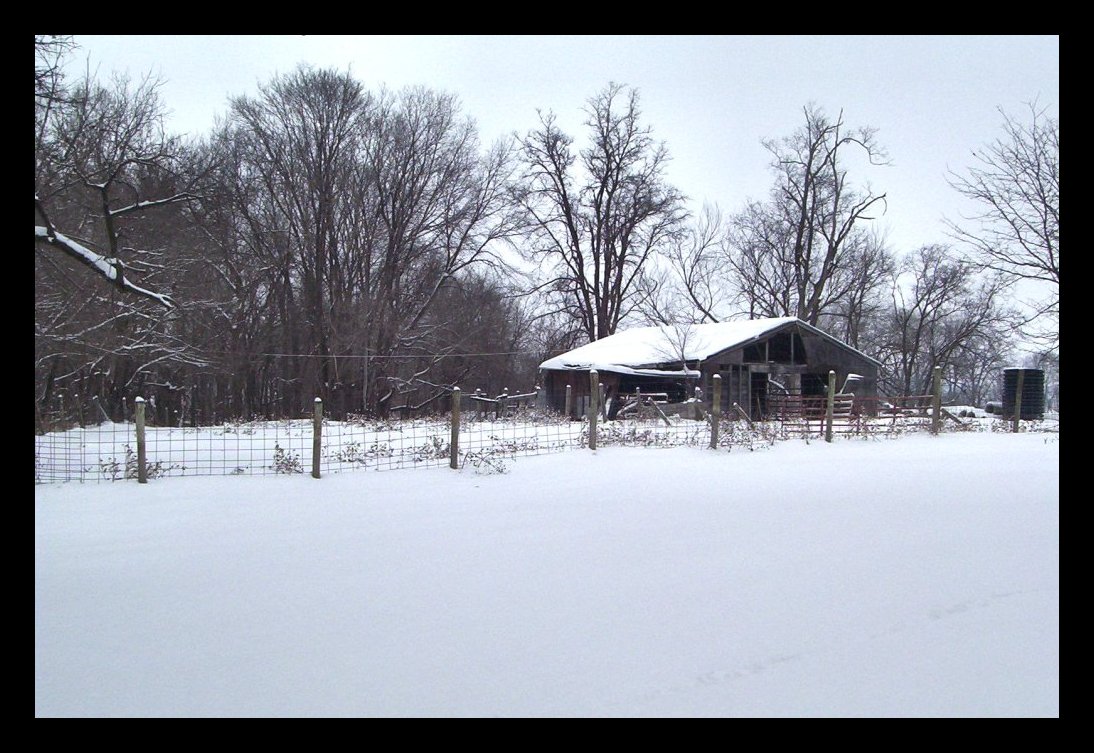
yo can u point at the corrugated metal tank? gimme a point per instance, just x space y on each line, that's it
1033 393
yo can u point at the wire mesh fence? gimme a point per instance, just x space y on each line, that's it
360 443
488 435
108 451
524 432
105 451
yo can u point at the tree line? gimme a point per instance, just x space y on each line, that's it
325 240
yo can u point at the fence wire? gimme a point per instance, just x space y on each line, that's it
360 443
487 438
106 452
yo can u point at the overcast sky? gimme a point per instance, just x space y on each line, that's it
711 98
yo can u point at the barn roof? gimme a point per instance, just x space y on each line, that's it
647 347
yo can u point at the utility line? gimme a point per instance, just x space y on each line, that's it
374 356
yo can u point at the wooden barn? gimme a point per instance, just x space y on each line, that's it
759 361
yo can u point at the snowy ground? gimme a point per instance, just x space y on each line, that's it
914 576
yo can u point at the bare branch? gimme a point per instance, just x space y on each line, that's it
111 269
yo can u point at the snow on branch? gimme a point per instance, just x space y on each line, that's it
153 203
111 269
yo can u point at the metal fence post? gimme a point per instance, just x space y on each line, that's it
936 401
593 391
830 409
142 466
317 437
454 440
569 412
715 410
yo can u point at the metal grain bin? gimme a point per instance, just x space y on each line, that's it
1033 393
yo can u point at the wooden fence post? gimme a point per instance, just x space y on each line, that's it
502 404
569 412
142 466
831 406
936 401
593 391
454 440
1018 399
715 410
317 437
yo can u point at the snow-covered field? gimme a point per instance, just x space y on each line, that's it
907 576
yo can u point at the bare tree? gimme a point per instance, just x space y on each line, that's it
939 309
1016 183
95 147
792 255
301 137
367 211
973 376
756 258
858 289
597 217
324 240
444 207
112 194
698 284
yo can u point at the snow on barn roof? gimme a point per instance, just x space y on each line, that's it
631 350
649 346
